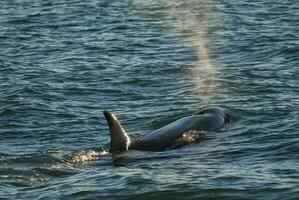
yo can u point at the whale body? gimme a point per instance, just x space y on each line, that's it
206 120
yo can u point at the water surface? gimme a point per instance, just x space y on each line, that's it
151 62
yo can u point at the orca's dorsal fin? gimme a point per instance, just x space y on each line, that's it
120 140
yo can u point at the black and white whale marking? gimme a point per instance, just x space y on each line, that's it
209 119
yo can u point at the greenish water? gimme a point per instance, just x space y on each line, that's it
150 62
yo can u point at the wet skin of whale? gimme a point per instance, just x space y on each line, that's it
209 119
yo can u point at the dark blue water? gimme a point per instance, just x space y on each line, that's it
150 62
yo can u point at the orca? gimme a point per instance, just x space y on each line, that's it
187 128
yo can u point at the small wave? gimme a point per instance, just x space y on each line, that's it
7 111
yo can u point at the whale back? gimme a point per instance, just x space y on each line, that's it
120 140
216 110
206 120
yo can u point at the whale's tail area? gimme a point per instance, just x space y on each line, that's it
120 140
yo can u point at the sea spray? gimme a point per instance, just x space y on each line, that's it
194 19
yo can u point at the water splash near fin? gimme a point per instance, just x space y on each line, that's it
188 137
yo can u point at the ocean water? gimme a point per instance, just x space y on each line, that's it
150 62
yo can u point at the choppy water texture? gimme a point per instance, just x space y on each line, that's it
151 62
